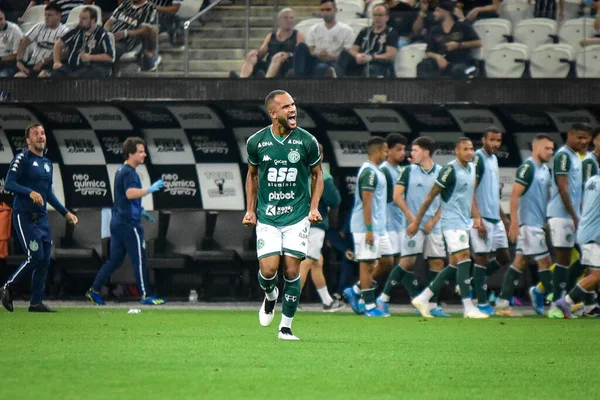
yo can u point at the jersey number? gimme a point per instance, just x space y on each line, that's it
282 175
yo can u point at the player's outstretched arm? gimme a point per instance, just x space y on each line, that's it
251 195
136 193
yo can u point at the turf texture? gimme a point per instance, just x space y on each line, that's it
185 354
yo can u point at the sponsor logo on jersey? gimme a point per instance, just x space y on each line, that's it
282 162
294 141
282 196
265 144
266 158
46 167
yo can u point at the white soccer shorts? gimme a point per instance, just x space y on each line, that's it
431 245
316 238
395 242
562 232
532 242
590 256
456 240
496 238
291 240
381 247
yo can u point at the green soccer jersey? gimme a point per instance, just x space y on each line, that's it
283 174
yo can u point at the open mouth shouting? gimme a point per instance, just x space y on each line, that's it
292 119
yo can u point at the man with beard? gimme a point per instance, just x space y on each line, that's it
30 179
89 48
282 159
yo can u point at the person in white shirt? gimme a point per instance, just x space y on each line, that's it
324 43
10 36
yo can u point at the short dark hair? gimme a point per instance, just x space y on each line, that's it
375 141
581 126
329 1
426 143
595 133
29 128
462 139
393 139
53 6
491 129
130 145
542 136
272 95
385 7
92 11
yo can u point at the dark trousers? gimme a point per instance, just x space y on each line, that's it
428 68
346 66
33 231
171 24
126 240
305 65
83 71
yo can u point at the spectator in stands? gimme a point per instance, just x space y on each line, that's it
402 17
449 47
134 24
425 21
43 35
472 10
169 22
278 47
547 9
324 43
107 7
65 5
89 49
10 37
374 51
596 39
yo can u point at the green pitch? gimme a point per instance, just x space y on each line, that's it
169 354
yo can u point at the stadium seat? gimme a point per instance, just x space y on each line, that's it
588 62
348 10
189 8
535 32
73 18
571 32
492 32
305 25
358 24
571 9
516 10
552 61
407 60
34 15
507 60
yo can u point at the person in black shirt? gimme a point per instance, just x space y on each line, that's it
90 52
449 46
425 21
374 50
472 10
402 16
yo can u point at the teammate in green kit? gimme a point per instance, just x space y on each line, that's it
281 159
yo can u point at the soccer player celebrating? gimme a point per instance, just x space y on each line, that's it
126 231
528 201
30 179
410 190
368 226
281 160
564 207
490 237
313 263
456 184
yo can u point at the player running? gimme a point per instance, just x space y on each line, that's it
281 160
456 184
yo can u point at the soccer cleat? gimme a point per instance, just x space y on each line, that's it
333 307
486 309
383 305
506 311
7 298
153 301
556 313
40 308
565 307
95 297
577 306
286 334
375 312
352 299
362 307
438 312
593 313
422 307
537 300
475 314
578 312
267 310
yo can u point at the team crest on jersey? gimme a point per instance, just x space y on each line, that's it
33 245
463 238
411 244
260 244
569 237
46 167
294 156
543 242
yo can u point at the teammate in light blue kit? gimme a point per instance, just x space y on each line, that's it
588 236
565 205
368 225
489 242
410 191
590 162
528 201
456 184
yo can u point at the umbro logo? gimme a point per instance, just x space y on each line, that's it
266 158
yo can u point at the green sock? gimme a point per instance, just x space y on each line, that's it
545 276
393 280
291 297
559 279
589 298
463 278
577 294
447 274
492 267
409 280
575 271
368 296
479 284
268 285
431 275
510 283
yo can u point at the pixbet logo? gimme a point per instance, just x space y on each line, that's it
176 187
282 196
88 187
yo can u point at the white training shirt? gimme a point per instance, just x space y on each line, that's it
333 40
44 38
10 37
